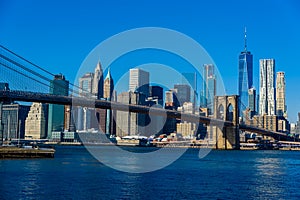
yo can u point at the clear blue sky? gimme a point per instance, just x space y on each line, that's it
58 35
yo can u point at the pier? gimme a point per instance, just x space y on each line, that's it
16 152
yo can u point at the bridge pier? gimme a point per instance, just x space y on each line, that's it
226 137
226 108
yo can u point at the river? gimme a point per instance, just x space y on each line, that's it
75 174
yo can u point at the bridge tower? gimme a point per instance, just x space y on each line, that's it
226 108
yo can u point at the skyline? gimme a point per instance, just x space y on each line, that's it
219 27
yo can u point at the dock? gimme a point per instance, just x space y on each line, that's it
16 152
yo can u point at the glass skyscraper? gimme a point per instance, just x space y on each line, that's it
58 86
245 77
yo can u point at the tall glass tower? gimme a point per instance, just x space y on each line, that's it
245 81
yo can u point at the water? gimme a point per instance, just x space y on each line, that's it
75 174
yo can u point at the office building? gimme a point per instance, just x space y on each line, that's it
267 103
183 93
97 84
156 93
56 113
13 119
281 108
86 84
245 76
123 117
191 79
171 103
139 81
252 101
36 121
108 95
209 88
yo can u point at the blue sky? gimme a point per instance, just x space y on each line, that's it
58 35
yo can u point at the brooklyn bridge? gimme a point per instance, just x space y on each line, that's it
31 83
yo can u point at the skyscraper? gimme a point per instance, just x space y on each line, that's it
86 84
267 87
252 101
191 79
209 87
58 86
86 90
13 119
35 124
281 109
156 93
139 81
183 93
107 94
97 85
245 77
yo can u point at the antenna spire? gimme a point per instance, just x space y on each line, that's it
245 39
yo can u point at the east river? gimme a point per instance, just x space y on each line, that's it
75 174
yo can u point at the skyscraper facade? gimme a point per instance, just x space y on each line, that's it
139 81
281 108
13 119
56 113
156 94
35 124
209 87
191 79
245 77
267 104
183 93
252 101
107 94
97 85
86 84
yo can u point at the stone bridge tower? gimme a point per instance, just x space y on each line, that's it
226 108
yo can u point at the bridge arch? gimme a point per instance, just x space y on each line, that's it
227 137
220 112
229 113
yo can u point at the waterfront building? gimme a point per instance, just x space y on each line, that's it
245 76
187 129
36 121
139 81
269 122
137 120
183 93
123 117
267 104
209 88
58 86
281 108
13 119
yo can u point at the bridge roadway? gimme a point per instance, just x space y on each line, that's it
26 96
